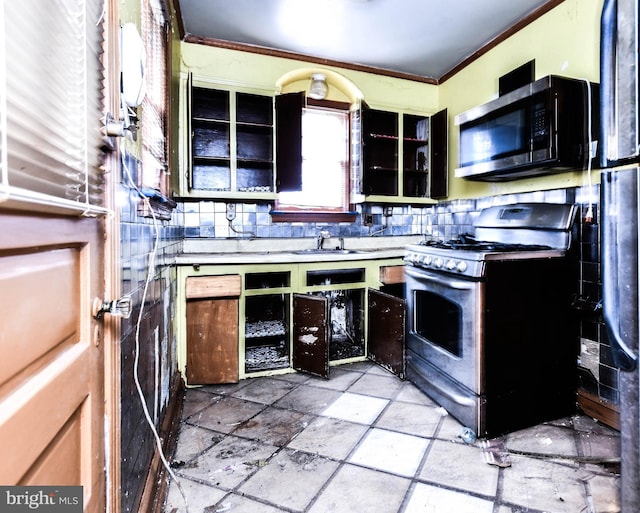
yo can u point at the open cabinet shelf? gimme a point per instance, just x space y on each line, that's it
404 156
231 144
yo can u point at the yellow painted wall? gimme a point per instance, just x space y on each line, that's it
565 41
261 72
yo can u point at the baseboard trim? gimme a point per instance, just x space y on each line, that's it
155 487
599 409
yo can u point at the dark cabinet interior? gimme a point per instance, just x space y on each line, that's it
328 326
335 276
267 321
231 141
254 143
346 323
421 146
266 332
415 156
329 323
210 140
380 152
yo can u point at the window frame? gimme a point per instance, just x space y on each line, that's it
289 108
155 118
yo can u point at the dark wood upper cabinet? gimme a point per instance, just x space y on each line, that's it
404 156
394 156
231 145
439 155
380 152
289 142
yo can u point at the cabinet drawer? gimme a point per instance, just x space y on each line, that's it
199 287
392 274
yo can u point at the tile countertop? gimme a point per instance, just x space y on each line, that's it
265 251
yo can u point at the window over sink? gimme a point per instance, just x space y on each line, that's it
325 162
313 159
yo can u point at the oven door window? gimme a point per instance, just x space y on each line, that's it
439 321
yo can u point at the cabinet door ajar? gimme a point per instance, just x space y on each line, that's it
311 334
386 331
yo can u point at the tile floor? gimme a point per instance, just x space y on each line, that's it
365 441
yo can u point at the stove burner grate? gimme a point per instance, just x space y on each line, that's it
467 242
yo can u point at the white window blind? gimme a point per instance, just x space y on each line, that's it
51 105
154 106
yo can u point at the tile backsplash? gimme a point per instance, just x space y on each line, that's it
207 219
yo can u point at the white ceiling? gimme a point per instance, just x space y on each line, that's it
427 38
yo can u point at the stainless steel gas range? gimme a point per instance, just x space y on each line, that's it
490 331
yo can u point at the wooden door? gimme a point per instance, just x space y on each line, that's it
386 331
51 369
311 334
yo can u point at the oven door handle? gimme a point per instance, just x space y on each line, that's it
446 281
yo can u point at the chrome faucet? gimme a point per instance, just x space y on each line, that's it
324 234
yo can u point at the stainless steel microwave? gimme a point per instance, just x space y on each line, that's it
544 127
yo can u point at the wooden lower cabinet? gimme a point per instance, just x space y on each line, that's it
283 317
212 330
212 341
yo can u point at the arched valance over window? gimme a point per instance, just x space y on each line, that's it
348 89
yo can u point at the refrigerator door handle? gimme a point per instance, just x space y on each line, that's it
623 356
608 39
618 200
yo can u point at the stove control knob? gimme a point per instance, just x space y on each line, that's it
427 260
451 265
461 267
438 262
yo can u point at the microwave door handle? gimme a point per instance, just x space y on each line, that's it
608 40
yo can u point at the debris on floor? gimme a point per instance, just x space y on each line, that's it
495 452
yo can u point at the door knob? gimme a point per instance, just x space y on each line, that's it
119 307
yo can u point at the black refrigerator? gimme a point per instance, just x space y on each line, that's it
620 199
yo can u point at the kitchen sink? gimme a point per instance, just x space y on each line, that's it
326 251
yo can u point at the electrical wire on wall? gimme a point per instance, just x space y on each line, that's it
387 213
240 232
150 274
591 153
